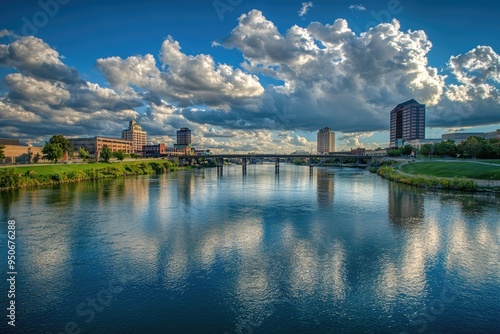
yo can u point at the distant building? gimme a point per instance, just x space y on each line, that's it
493 134
157 150
417 143
326 141
135 134
184 136
94 145
459 137
16 153
407 123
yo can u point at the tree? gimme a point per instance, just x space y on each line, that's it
394 153
52 152
406 150
82 152
63 143
426 149
105 154
472 146
37 158
446 148
120 155
55 148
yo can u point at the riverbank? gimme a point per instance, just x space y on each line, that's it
455 175
31 176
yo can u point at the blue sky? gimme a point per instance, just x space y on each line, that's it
246 75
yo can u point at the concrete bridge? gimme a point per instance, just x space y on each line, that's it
361 160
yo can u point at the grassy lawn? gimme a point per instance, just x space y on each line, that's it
453 169
59 168
491 161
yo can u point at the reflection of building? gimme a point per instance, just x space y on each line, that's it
407 122
326 141
94 145
135 134
16 153
325 188
406 205
184 136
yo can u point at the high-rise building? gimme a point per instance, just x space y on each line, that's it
326 141
135 134
184 136
407 122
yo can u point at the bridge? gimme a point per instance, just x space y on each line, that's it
246 158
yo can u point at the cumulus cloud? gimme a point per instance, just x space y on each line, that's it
45 96
305 8
327 70
475 100
33 57
359 7
188 80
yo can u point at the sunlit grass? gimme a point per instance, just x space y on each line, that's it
467 169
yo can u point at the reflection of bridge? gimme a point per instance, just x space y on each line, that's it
361 160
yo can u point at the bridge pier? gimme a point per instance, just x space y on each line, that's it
277 166
220 166
244 165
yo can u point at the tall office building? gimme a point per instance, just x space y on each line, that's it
407 122
184 136
135 134
326 141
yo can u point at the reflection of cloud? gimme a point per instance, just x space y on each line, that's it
473 251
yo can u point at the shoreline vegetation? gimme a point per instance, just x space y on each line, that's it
463 176
466 176
33 175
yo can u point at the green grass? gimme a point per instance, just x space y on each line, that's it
67 168
453 169
33 175
491 161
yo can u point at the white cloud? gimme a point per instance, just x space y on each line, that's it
305 8
359 7
333 77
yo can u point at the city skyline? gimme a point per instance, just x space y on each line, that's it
248 76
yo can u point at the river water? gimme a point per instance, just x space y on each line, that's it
338 251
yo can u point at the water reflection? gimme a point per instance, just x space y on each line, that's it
325 187
406 205
256 245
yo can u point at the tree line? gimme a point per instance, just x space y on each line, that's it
472 147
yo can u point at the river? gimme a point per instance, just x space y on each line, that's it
338 251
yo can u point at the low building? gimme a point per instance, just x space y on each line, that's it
94 145
493 134
156 150
459 137
183 149
417 143
22 154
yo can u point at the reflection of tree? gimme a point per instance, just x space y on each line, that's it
8 197
406 205
325 188
473 205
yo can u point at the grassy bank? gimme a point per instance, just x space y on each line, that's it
470 170
427 181
29 176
